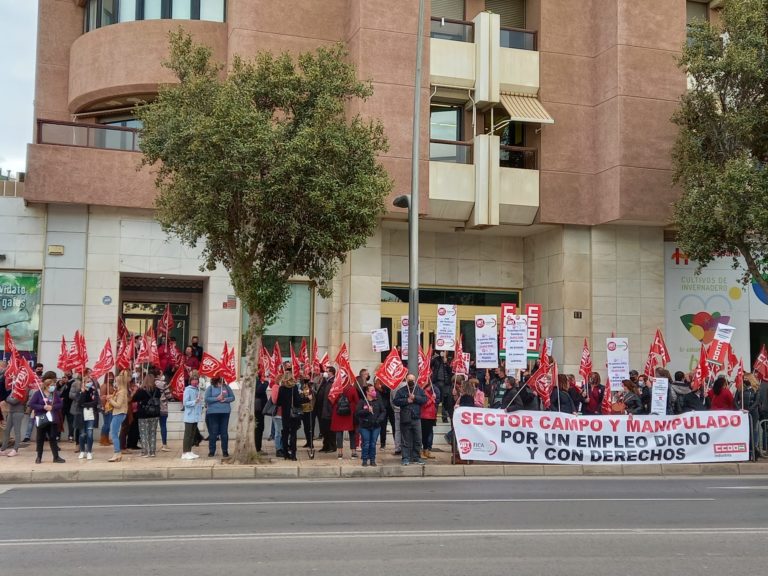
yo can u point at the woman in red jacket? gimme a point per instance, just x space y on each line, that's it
342 417
720 397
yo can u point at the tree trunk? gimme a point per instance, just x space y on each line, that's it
245 444
752 267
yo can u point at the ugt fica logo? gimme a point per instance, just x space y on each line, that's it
466 446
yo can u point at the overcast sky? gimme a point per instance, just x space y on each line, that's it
18 29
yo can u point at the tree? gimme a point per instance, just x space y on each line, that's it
721 151
262 169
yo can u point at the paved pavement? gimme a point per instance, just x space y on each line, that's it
574 527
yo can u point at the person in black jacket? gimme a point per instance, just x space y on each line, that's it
441 377
289 401
632 403
410 398
385 395
325 411
258 412
516 395
694 401
87 417
559 400
370 413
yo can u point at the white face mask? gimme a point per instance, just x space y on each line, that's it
325 374
135 375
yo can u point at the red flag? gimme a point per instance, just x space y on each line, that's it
303 356
315 360
702 370
277 362
143 355
105 363
265 364
82 352
339 383
343 365
63 361
606 406
25 378
152 351
73 360
122 331
295 366
10 347
651 363
177 383
457 365
761 364
740 375
125 353
542 384
733 362
425 368
165 325
660 347
175 354
324 362
585 367
209 366
392 371
13 366
228 369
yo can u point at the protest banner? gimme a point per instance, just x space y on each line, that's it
556 438
617 353
445 335
486 341
380 340
659 393
516 341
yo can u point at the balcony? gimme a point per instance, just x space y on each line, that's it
87 164
452 53
518 38
453 151
519 157
452 30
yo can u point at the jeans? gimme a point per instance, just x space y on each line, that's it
397 434
411 440
14 422
71 430
277 422
30 427
107 427
164 429
427 433
189 436
114 431
218 426
148 433
340 440
370 437
259 432
309 430
290 427
86 436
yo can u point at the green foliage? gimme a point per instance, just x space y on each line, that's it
721 152
261 167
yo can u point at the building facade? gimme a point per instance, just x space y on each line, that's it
545 168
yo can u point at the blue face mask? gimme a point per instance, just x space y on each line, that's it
52 388
89 385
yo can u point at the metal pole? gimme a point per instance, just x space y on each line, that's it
413 210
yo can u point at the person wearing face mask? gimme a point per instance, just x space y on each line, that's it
118 403
370 413
87 417
46 407
410 398
326 411
193 410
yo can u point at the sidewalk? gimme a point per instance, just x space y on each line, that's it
169 466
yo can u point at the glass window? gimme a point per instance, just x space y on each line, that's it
445 124
127 10
181 10
696 11
108 12
293 323
153 9
20 310
91 15
444 296
212 10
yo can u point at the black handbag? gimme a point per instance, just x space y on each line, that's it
270 409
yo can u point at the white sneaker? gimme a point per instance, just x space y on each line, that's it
165 449
89 456
186 456
81 456
193 456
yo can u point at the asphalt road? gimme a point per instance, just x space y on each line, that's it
392 527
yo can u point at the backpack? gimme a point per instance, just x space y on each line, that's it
152 407
342 406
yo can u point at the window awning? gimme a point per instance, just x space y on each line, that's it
525 109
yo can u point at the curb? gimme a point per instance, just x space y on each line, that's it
234 472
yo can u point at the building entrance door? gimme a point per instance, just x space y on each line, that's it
139 316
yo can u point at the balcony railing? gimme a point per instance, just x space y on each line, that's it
517 157
518 38
455 30
453 151
87 135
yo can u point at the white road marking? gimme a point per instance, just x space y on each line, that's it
341 502
738 487
343 536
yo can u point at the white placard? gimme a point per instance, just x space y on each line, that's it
445 334
516 341
659 393
618 362
724 333
486 341
404 337
380 340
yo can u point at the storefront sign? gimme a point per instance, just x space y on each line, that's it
20 308
555 438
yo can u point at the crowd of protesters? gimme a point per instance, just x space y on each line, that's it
360 420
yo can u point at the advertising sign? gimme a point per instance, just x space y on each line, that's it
20 308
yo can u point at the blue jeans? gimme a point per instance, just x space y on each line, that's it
105 429
86 436
218 425
114 431
277 421
164 428
369 436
